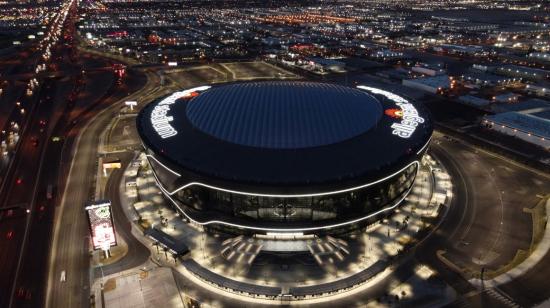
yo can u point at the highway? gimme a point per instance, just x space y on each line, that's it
31 283
65 97
69 251
20 192
20 185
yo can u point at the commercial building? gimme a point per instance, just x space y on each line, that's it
531 127
306 157
428 71
538 90
523 72
487 80
541 56
329 65
474 101
528 120
429 84
508 97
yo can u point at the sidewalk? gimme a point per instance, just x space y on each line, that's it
381 241
150 286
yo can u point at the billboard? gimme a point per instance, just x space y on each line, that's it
102 228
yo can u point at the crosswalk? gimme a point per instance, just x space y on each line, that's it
501 297
468 301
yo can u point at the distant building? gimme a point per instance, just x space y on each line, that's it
482 68
531 127
529 106
322 64
429 84
474 101
409 41
541 56
523 72
538 90
459 49
487 80
428 70
386 54
506 98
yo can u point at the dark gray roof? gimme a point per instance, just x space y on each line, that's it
202 157
175 246
222 281
284 115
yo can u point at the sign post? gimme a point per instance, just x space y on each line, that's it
131 104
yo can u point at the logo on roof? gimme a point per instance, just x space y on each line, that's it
394 113
409 119
406 113
190 95
159 115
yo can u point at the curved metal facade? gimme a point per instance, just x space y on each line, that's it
234 166
239 212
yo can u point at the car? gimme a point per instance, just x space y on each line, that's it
20 292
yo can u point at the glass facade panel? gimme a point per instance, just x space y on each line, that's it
335 207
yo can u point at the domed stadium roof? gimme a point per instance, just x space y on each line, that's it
284 115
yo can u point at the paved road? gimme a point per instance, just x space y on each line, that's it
69 251
486 224
54 108
22 188
21 191
137 253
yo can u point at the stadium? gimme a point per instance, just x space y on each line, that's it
284 156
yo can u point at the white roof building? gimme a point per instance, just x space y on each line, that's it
429 84
532 125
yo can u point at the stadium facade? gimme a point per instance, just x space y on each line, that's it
279 156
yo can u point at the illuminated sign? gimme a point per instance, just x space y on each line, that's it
388 95
394 113
159 116
409 121
101 225
112 165
131 104
407 113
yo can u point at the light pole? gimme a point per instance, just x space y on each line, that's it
102 275
141 292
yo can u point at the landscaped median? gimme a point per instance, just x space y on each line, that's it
523 260
518 265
